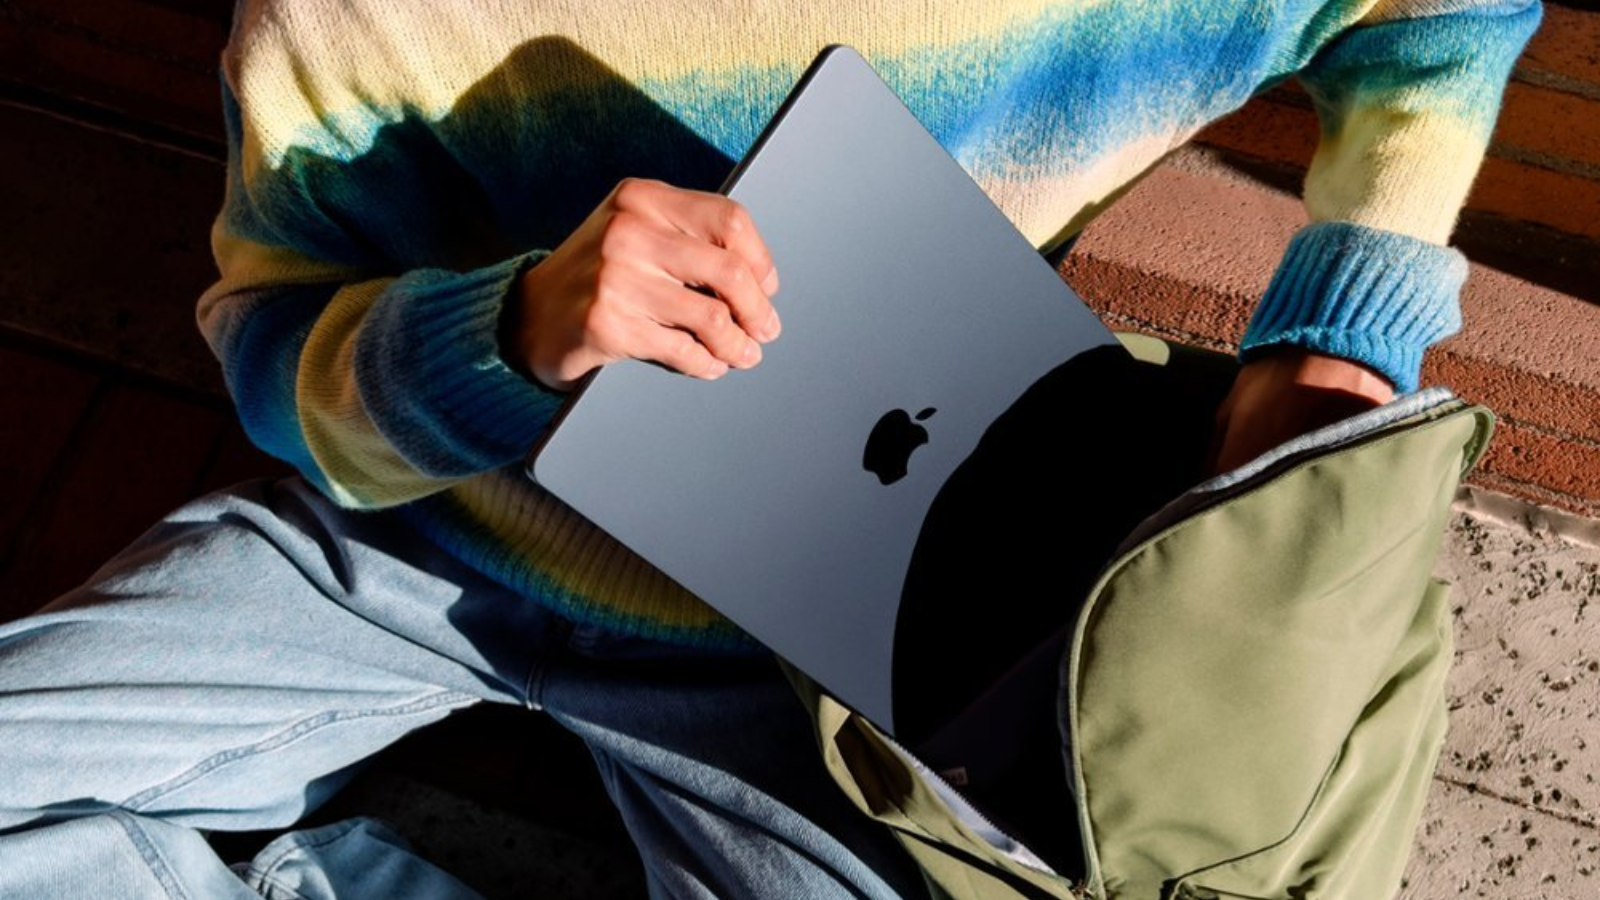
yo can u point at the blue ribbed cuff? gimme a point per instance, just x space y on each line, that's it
431 376
1373 296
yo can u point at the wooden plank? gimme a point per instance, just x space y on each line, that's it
137 457
114 251
41 399
134 57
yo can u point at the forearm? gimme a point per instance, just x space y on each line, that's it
1407 102
379 390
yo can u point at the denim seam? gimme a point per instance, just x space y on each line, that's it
283 738
265 874
533 685
153 860
280 891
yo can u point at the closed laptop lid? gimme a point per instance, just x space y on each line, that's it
791 496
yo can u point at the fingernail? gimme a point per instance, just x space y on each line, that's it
770 283
718 370
752 353
771 329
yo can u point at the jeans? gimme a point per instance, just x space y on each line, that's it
230 668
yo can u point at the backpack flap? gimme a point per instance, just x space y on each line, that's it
1255 691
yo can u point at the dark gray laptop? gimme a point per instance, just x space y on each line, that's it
791 496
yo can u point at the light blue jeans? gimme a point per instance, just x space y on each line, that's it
230 668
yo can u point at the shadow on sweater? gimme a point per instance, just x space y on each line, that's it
582 127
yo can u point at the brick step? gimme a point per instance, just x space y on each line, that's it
1543 163
1186 254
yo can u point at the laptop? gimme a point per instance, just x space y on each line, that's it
793 496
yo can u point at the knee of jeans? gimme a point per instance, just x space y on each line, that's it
357 857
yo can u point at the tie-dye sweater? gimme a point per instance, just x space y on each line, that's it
395 164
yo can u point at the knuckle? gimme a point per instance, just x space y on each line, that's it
687 351
714 317
736 273
633 190
619 236
735 218
733 279
599 323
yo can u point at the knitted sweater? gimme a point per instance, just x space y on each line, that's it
395 164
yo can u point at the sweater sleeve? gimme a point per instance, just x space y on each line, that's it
373 369
1407 99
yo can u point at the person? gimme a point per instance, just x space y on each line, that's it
440 217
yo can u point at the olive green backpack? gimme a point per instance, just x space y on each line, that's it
1254 686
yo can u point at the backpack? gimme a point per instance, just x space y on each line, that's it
1253 688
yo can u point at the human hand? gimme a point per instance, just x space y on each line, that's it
1285 394
627 283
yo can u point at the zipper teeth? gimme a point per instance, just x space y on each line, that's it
950 791
1217 496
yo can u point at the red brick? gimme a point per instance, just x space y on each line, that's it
1566 202
1589 509
1186 253
1268 130
1566 44
1558 406
1528 455
1563 126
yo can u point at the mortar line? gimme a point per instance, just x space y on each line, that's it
1475 788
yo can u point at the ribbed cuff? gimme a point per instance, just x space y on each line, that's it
431 376
1373 296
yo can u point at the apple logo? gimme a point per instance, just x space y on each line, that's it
892 442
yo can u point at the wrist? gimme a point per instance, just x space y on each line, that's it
515 331
1311 369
